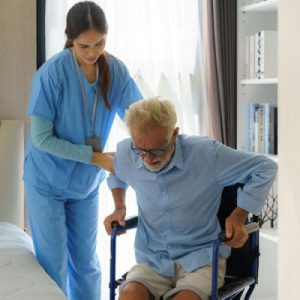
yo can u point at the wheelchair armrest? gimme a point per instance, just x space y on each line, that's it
117 229
250 228
129 224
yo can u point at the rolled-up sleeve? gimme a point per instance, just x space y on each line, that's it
114 180
255 172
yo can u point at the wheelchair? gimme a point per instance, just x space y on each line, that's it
241 267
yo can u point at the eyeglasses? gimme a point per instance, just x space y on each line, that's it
155 152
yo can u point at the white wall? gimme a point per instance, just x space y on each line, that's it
17 56
289 148
17 65
11 171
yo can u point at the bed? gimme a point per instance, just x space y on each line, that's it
21 276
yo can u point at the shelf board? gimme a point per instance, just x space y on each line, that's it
273 157
263 6
270 234
260 81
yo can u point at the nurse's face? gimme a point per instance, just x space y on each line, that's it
88 47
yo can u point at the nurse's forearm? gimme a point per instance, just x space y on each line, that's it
44 140
103 160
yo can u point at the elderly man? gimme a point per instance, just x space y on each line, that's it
178 180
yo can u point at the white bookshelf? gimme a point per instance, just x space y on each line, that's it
273 157
252 18
270 234
263 6
260 81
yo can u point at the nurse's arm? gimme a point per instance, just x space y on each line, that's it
44 139
103 160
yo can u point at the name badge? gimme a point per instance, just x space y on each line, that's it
95 142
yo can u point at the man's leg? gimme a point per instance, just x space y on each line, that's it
84 270
186 295
144 283
135 291
195 285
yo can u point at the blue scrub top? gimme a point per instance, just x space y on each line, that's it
56 96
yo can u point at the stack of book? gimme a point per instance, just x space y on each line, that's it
263 128
260 55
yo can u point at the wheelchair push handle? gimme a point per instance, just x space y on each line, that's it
129 224
249 227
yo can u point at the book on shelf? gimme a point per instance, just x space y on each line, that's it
258 59
246 66
260 55
267 43
262 128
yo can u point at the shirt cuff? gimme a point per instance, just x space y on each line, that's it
250 203
114 182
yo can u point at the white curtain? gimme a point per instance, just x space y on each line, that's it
159 41
161 44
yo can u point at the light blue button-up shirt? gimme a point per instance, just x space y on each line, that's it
178 206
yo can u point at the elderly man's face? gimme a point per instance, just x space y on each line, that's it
156 139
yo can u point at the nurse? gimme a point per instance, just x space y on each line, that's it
75 97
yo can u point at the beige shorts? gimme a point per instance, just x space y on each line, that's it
198 281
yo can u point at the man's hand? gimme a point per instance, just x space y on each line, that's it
104 160
117 216
235 231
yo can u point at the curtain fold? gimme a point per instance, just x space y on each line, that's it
160 43
220 38
40 32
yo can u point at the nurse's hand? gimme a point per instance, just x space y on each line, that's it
104 160
117 216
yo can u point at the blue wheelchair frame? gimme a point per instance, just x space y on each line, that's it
234 285
130 224
233 288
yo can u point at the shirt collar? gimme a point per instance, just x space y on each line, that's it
176 161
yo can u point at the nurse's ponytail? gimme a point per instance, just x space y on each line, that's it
105 77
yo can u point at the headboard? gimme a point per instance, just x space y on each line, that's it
11 172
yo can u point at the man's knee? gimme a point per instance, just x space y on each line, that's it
186 294
135 291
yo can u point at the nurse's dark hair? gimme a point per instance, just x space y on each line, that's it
81 17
